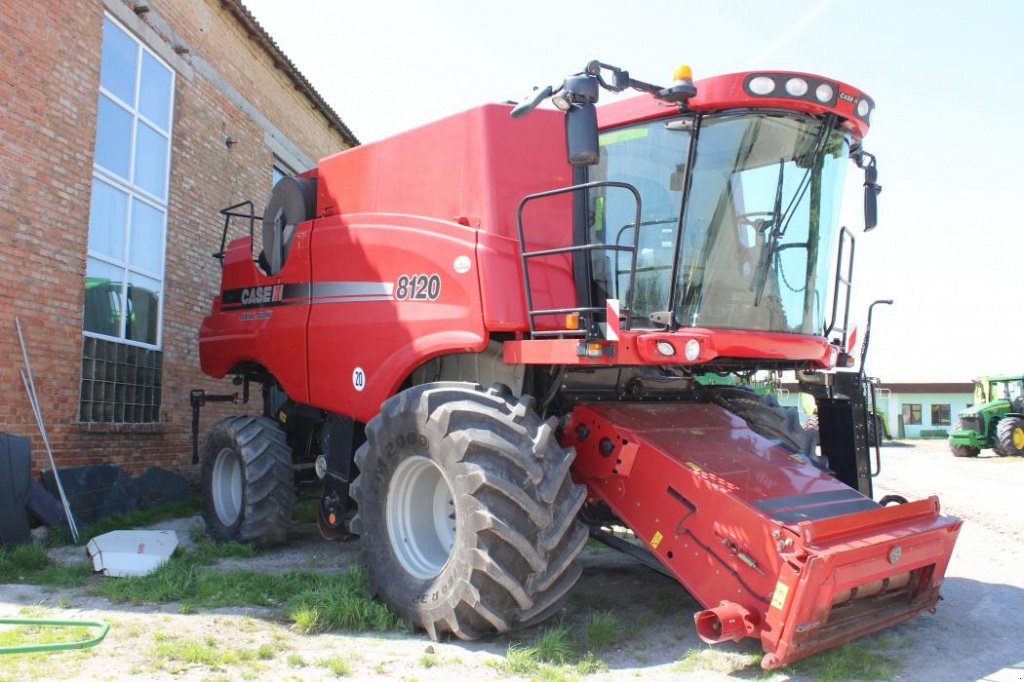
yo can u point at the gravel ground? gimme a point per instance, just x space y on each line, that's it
977 632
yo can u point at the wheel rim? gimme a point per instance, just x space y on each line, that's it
420 514
1018 438
227 487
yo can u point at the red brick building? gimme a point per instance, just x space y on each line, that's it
124 128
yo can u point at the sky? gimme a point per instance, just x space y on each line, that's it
947 78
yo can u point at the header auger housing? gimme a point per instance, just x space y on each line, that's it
490 331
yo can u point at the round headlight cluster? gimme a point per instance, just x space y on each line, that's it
796 87
824 93
863 108
761 85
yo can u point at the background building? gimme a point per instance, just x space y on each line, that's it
910 410
124 128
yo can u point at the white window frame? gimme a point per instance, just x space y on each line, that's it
136 193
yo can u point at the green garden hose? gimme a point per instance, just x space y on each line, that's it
58 646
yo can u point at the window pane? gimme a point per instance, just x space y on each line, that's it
143 308
151 160
155 91
147 241
113 137
106 220
117 65
103 298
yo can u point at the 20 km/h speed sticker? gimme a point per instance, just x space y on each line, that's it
359 378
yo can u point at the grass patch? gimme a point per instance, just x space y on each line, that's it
142 517
853 661
207 551
208 652
20 561
338 665
552 658
22 635
429 660
306 510
717 660
30 563
295 661
602 630
340 602
316 602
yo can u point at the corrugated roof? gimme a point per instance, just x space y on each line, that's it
281 60
921 387
912 387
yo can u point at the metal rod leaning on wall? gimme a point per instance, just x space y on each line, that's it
33 399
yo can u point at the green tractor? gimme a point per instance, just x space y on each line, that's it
995 420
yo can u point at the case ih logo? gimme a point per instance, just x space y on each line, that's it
261 295
847 98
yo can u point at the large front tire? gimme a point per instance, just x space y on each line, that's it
1010 436
466 510
248 484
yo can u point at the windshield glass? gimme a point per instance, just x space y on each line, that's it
761 215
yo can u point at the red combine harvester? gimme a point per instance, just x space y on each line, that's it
686 231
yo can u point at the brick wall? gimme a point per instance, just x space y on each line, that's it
226 85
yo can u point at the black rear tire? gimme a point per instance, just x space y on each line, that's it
248 484
766 417
508 556
1010 436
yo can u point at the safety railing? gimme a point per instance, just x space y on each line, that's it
588 315
233 212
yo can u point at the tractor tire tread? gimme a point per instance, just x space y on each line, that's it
268 480
519 538
1004 437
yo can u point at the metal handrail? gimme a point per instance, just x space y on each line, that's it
525 255
844 236
231 212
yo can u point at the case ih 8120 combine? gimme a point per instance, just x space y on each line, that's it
486 349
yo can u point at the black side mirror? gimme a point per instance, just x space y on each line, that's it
871 187
576 99
581 135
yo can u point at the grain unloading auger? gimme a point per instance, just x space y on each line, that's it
691 233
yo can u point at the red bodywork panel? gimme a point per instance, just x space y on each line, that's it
422 203
735 516
640 348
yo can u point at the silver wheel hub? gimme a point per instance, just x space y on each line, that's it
227 487
420 515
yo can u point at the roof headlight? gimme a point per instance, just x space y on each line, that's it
761 85
796 87
824 93
863 108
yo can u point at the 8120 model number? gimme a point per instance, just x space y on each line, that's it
418 287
